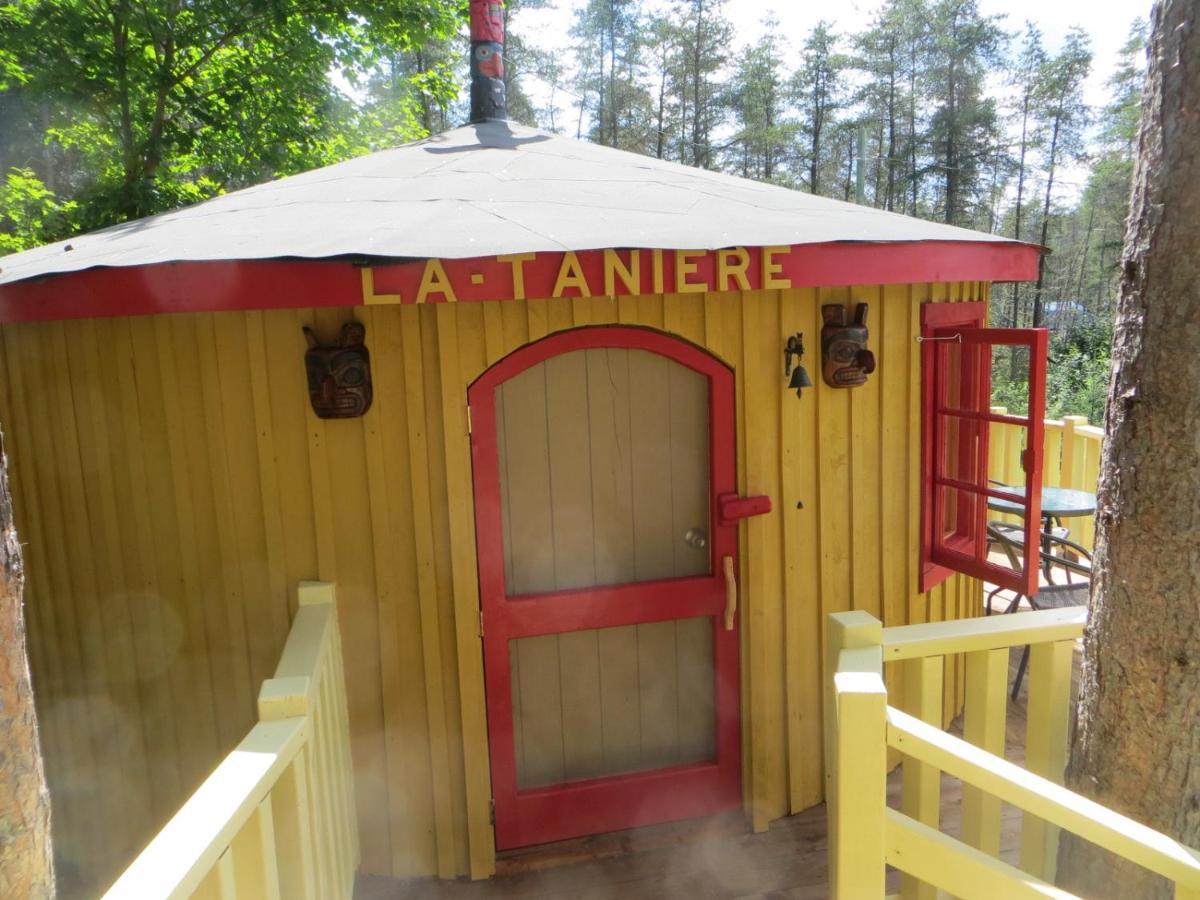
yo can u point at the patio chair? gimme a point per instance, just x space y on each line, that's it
1072 592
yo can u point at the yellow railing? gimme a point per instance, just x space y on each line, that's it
276 818
1071 460
864 834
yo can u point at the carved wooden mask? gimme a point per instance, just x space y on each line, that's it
339 376
845 359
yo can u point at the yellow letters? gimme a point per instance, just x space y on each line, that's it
434 281
517 261
370 298
732 264
657 258
771 269
685 265
631 275
570 274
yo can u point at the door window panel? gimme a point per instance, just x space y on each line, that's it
604 471
609 701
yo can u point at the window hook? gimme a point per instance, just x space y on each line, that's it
957 338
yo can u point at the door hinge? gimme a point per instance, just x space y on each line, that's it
481 623
468 419
492 810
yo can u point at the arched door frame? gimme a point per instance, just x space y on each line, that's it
602 804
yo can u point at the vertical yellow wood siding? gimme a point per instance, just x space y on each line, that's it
173 486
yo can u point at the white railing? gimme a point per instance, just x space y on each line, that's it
865 835
276 818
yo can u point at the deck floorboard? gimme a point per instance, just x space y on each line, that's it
708 859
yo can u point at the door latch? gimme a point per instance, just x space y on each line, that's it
731 508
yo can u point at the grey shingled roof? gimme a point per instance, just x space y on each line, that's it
482 190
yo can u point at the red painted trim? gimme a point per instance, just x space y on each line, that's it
933 317
611 804
181 287
622 801
734 508
274 284
965 549
608 606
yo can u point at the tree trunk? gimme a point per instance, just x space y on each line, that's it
1041 279
26 868
1137 742
1014 322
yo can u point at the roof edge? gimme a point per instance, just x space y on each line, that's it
196 286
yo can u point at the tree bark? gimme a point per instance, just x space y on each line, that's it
26 868
1137 741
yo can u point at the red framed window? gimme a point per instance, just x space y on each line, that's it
968 520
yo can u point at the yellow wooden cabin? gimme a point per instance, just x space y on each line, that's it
584 533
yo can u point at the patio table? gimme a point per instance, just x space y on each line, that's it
1057 504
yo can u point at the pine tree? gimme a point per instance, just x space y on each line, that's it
964 44
608 37
704 34
1064 116
880 57
25 857
818 88
758 103
1138 721
1024 76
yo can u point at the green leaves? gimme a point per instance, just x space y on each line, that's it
147 104
30 214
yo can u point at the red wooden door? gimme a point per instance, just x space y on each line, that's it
611 678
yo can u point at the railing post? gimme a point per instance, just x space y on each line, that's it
293 831
858 870
1047 721
314 593
255 862
843 631
1052 444
983 726
283 698
922 783
996 445
1070 471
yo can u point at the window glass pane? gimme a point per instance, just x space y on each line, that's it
963 375
957 519
1010 369
604 471
960 451
1006 472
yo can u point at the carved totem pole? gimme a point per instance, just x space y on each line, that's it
487 61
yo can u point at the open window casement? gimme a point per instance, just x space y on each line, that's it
963 512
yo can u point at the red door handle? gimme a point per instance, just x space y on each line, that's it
731 508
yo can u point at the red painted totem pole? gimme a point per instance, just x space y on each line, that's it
487 61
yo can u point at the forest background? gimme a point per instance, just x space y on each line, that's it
115 109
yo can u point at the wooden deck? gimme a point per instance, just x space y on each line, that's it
710 859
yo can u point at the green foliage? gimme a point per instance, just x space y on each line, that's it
111 109
819 90
758 99
30 214
963 46
150 104
1078 363
608 36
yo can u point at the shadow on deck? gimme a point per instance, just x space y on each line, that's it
710 858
